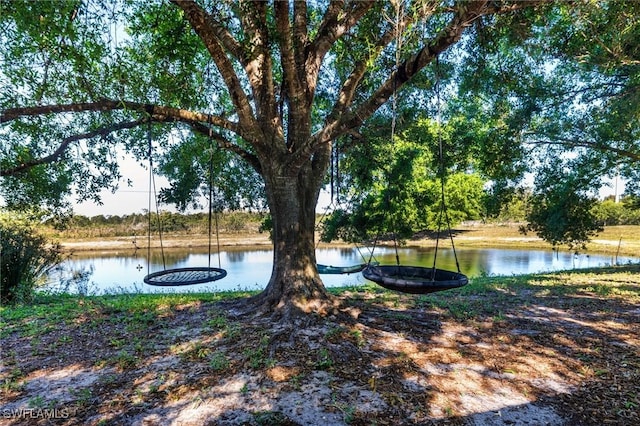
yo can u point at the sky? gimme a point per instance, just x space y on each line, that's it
135 198
127 199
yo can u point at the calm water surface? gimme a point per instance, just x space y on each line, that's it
250 269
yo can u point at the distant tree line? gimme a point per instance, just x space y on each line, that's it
606 212
79 226
626 212
477 205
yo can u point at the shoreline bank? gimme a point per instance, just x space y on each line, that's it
622 240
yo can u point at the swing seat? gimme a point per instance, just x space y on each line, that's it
414 279
335 270
184 276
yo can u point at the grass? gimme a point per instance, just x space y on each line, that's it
219 361
472 300
324 360
139 311
128 317
13 381
257 356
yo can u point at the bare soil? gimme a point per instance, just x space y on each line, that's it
512 354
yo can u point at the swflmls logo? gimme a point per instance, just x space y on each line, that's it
35 413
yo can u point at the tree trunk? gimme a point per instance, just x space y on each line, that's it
295 285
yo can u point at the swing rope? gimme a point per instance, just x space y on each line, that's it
336 203
152 189
394 108
149 205
188 275
331 205
416 279
443 205
335 165
215 215
210 201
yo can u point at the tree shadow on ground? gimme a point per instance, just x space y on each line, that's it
507 355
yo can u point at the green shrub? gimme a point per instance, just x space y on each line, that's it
235 221
25 257
610 213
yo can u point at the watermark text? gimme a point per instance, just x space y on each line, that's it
36 413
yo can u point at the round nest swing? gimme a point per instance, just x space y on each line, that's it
335 270
414 279
418 279
185 276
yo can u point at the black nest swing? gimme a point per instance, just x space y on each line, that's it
188 275
414 279
418 279
351 269
185 276
335 182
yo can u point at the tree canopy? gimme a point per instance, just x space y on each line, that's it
560 92
550 93
394 186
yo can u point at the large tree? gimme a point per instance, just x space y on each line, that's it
272 83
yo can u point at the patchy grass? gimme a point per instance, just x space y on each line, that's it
545 349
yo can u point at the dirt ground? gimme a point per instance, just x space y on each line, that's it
511 354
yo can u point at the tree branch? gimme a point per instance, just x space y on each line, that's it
300 36
228 41
55 155
329 21
259 68
350 85
202 25
466 13
175 114
292 45
558 140
10 114
224 143
335 23
333 27
290 81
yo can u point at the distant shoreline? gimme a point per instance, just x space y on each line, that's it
624 240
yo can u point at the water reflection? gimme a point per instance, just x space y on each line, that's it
236 256
250 269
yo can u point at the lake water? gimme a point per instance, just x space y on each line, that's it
250 269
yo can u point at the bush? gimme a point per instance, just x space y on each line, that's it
235 221
25 257
610 213
562 215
